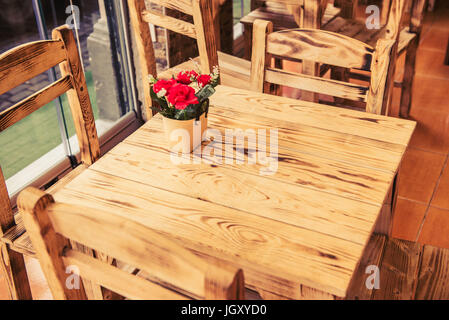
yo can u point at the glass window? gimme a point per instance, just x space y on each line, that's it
35 144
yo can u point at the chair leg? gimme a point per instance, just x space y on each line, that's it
407 82
13 267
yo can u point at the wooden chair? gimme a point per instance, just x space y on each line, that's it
287 14
171 272
17 66
407 37
326 48
234 71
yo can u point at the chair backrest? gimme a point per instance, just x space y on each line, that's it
321 47
172 271
202 30
26 61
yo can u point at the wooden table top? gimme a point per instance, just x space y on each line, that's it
305 225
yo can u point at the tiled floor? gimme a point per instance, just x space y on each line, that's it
422 212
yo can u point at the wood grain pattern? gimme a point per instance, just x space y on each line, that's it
49 245
12 264
78 97
276 249
180 5
145 51
26 61
392 130
51 225
259 58
20 110
382 74
169 23
299 233
333 49
202 17
294 165
399 270
316 84
433 277
372 255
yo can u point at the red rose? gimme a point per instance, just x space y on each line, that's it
184 77
163 84
193 74
203 79
181 96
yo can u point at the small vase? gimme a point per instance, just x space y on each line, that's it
185 135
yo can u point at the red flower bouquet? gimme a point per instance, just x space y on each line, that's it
185 96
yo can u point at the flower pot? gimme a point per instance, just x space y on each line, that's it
184 135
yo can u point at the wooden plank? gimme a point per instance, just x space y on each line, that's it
294 254
371 256
12 264
49 245
180 5
130 286
398 270
433 279
346 218
169 23
320 46
170 263
318 142
78 97
145 51
316 84
259 58
204 25
27 106
387 129
303 169
26 61
405 37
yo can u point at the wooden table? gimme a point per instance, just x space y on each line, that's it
298 233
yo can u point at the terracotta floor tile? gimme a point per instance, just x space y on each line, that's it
419 174
441 197
435 230
432 130
430 93
408 216
435 39
431 63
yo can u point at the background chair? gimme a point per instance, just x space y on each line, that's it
407 35
326 48
182 274
234 71
288 15
17 66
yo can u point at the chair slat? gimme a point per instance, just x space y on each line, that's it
180 5
169 23
126 240
27 106
315 84
24 62
116 280
320 46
